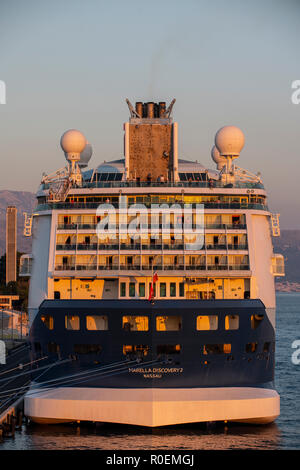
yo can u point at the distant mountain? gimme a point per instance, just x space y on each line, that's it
24 201
288 244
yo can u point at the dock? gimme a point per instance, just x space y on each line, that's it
13 385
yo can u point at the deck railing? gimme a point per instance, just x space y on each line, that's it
167 184
148 267
138 246
93 227
207 205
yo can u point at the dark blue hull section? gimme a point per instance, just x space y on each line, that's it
179 359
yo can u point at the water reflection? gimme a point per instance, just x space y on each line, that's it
118 437
282 434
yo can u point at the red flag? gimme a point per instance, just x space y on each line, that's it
151 293
154 280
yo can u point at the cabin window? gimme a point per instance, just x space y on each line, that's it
96 322
87 348
207 322
181 289
168 323
142 289
256 321
72 322
168 348
139 350
131 289
231 322
53 347
163 289
123 289
48 321
135 323
173 289
37 348
217 349
251 347
236 220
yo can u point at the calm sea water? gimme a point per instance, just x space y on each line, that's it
283 434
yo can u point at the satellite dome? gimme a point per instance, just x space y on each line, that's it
217 158
85 155
73 142
215 154
229 141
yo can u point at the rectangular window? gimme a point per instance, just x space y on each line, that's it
48 321
251 347
96 322
87 348
207 322
181 289
72 322
172 289
168 323
231 322
168 349
139 350
256 321
142 289
217 349
53 347
135 323
131 289
162 289
123 289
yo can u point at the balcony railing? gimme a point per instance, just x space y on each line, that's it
93 227
207 205
148 267
152 247
168 184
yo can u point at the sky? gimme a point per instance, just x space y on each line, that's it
71 64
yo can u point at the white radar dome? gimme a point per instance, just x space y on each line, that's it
217 158
73 142
229 141
85 155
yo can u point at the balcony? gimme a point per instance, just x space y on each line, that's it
150 246
225 226
87 246
93 227
168 184
207 205
149 267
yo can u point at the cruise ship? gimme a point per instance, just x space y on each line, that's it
152 294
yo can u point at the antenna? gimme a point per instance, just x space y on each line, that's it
133 112
168 111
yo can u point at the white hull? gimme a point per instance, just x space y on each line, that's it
153 407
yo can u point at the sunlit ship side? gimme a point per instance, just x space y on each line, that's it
150 328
